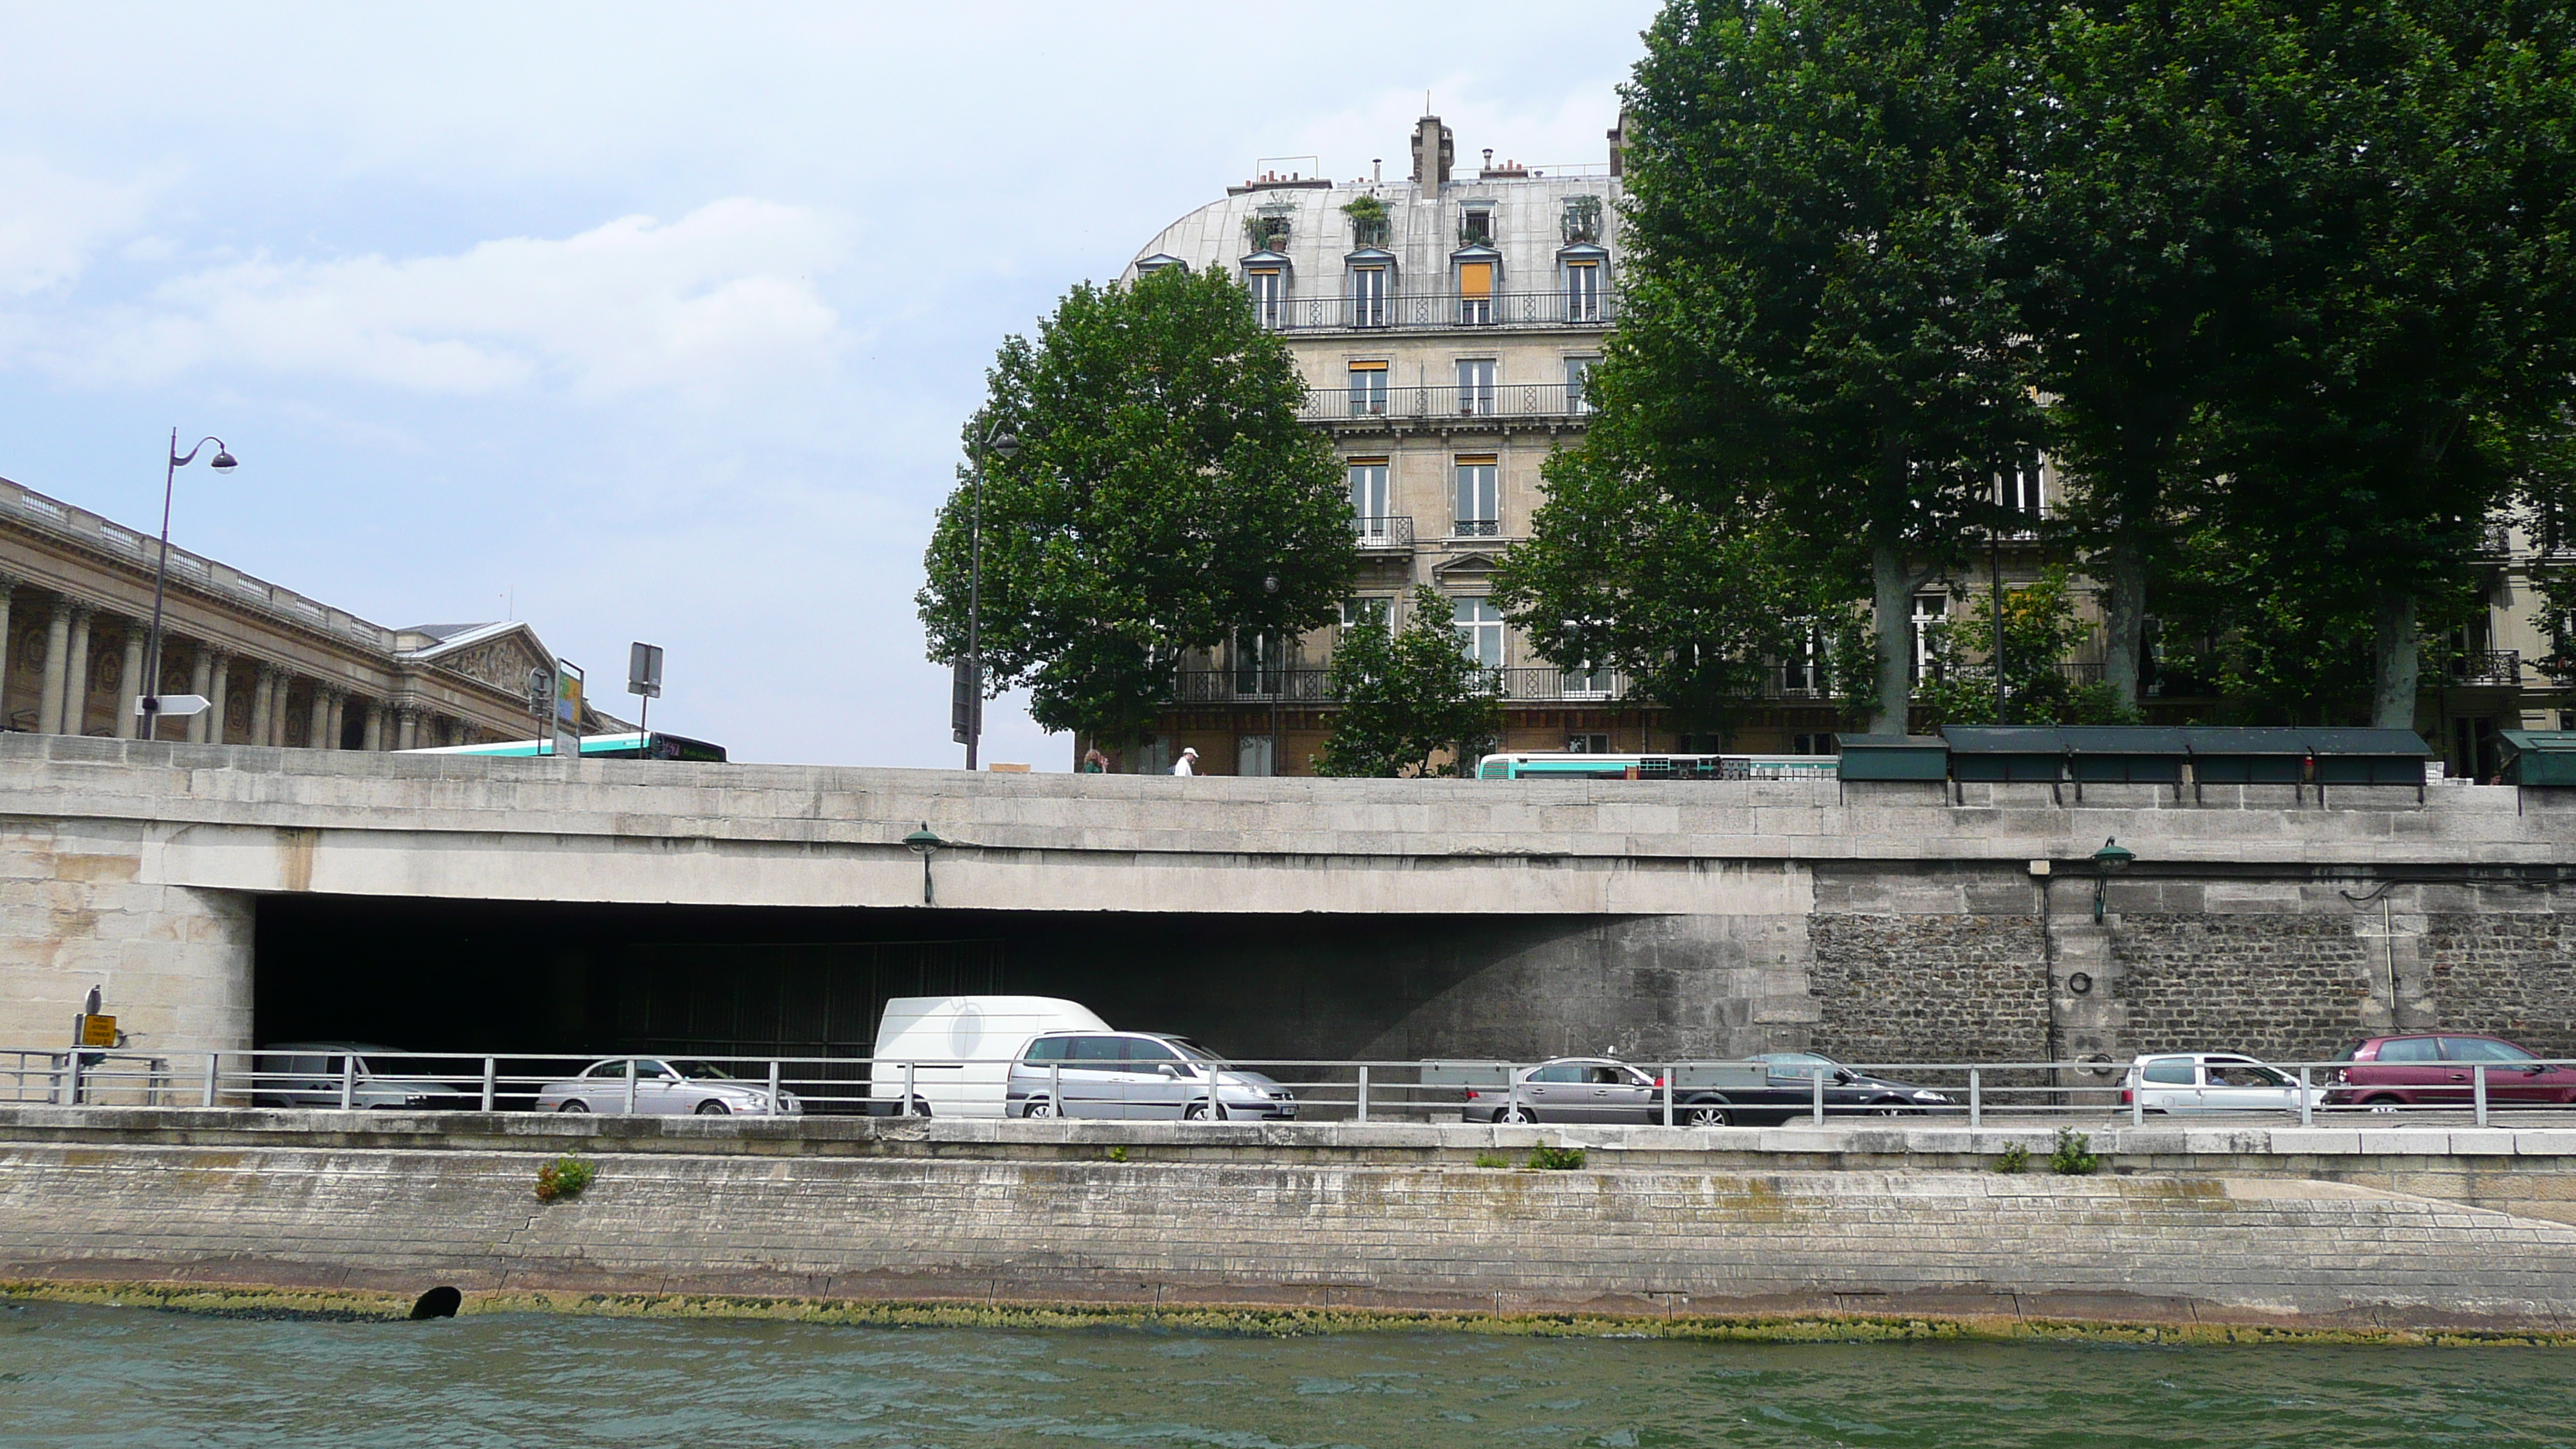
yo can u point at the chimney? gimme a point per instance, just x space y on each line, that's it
1433 149
1619 143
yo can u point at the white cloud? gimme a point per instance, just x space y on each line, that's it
51 222
722 297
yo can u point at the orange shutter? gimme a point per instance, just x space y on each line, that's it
1475 279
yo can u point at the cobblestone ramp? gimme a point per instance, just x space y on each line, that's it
1652 1241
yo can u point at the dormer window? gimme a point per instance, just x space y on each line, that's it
1583 269
1582 220
1160 262
1368 216
1477 267
1476 226
1372 272
1268 284
1267 231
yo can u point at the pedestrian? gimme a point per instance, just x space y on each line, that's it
1183 765
1094 762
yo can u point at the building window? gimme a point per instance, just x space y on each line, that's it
1583 290
1581 223
1475 293
1803 677
1929 609
1369 508
1258 661
1578 384
1814 744
1588 680
1587 744
1368 389
1479 513
1476 387
1476 226
1379 613
1480 632
1269 288
2025 490
1368 296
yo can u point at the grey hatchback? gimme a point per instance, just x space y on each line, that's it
1136 1074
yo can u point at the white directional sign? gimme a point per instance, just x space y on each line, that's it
176 706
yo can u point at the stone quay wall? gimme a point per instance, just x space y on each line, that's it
1034 1213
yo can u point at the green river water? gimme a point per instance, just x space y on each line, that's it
103 1376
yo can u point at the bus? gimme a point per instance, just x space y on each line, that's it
632 745
1568 765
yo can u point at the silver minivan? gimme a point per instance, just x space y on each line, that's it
307 1074
1136 1074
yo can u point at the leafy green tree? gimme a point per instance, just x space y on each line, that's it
1164 497
1404 696
2040 628
1819 332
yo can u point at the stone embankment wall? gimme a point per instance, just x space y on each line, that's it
720 1210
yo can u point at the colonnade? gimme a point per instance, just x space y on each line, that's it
73 684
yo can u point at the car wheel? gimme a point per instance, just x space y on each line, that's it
1198 1111
1517 1114
1704 1115
1038 1107
713 1108
2381 1104
1885 1109
576 1105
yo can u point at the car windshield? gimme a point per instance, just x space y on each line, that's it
1195 1052
701 1072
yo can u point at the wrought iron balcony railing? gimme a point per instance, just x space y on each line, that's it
1441 311
1532 683
1393 530
1499 400
2487 667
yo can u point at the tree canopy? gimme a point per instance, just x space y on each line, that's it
1403 696
1163 497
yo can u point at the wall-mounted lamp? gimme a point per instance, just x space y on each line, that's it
925 844
2111 858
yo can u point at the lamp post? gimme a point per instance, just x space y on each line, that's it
924 843
1279 667
2110 859
998 440
149 704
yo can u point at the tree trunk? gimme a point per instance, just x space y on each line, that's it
1892 589
2124 621
2394 663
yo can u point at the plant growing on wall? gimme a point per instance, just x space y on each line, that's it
1266 233
2073 1155
1582 220
565 1177
1368 220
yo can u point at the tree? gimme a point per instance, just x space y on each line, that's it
2039 630
1164 497
1407 695
1820 334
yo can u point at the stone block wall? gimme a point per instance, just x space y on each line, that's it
1929 987
2286 987
2510 973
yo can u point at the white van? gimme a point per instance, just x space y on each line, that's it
960 1048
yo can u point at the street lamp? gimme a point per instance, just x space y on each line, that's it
2112 858
970 726
149 704
925 844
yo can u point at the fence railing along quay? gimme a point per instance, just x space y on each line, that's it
1645 1091
1470 403
1443 311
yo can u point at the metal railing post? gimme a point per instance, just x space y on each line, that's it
1055 1089
2307 1100
907 1091
1363 1096
1976 1100
630 1086
214 1070
348 1081
1668 1094
2478 1090
71 1079
491 1080
1817 1076
2138 1100
776 1100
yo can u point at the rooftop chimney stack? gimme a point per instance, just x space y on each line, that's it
1433 149
1619 135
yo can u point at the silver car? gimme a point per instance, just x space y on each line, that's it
309 1074
665 1086
1136 1074
2211 1082
1577 1089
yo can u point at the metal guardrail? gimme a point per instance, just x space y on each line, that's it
1392 530
1974 1093
1443 311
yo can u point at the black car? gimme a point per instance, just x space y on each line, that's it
1780 1088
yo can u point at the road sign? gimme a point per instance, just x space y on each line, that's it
644 670
176 706
965 701
97 1031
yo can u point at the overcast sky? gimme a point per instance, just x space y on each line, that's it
649 322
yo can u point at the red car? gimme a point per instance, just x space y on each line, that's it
2438 1069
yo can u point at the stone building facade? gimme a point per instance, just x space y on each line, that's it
280 668
1444 322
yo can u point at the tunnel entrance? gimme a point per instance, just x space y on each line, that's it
472 976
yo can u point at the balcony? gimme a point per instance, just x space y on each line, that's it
1394 530
1442 311
2497 668
1535 684
1501 402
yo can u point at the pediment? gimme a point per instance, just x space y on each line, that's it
499 656
1467 566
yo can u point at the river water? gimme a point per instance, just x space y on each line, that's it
100 1376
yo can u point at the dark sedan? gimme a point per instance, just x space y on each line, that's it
1769 1089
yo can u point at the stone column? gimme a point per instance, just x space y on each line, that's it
58 647
335 723
132 683
374 740
8 586
263 702
317 727
76 674
208 724
278 709
407 730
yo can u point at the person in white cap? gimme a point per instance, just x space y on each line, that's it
1182 766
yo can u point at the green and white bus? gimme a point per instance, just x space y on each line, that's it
632 745
1568 765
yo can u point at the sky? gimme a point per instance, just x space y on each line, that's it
651 322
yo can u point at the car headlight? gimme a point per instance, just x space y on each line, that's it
1930 1097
